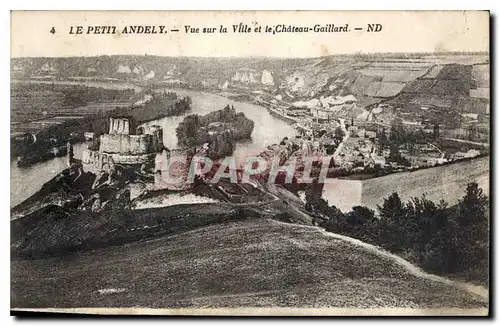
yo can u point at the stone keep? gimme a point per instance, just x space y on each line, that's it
119 126
124 145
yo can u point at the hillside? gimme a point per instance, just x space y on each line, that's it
444 85
247 263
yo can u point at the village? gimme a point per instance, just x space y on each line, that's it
248 163
362 139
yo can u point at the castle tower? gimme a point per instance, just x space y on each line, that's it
70 154
119 126
157 133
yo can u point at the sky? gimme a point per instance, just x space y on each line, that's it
402 31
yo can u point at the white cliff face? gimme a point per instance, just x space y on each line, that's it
138 70
311 104
267 78
17 68
149 76
245 76
295 82
123 70
48 68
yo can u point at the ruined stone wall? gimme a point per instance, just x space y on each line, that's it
171 170
133 159
119 126
128 144
94 161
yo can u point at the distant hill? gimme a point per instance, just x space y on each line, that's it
447 80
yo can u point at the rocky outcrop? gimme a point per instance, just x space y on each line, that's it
267 78
138 70
149 76
123 70
295 82
246 76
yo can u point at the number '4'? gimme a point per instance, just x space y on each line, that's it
53 30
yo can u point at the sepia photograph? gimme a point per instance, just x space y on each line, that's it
262 163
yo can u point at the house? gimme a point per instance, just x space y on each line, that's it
371 134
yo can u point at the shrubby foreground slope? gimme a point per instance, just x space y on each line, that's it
254 262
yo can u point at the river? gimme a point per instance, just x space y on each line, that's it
268 130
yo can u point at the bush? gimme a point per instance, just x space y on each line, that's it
439 238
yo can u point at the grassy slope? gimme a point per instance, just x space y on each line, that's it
250 263
443 182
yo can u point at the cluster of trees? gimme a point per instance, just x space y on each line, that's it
401 137
338 135
193 129
220 129
438 237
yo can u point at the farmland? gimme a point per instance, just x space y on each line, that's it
443 182
50 112
35 101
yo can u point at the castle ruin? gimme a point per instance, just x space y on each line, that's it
124 144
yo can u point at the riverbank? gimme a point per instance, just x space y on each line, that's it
252 99
76 108
282 116
267 130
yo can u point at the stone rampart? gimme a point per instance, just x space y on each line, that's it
128 144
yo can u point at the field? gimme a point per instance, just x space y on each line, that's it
446 182
36 101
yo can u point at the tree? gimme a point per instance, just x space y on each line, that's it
360 223
424 220
395 156
391 233
392 208
439 238
339 134
441 252
397 132
394 153
473 226
187 131
335 218
383 142
473 207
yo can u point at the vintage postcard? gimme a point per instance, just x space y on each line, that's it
250 162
